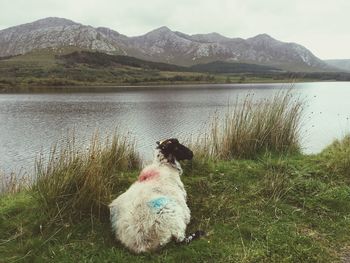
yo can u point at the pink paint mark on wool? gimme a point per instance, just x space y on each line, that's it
148 175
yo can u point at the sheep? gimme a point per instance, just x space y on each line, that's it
154 210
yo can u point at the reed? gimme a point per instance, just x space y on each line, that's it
253 127
13 183
73 183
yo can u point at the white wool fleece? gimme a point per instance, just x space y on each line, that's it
153 209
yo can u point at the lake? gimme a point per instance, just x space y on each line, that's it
31 123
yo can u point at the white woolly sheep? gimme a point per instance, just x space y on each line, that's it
154 210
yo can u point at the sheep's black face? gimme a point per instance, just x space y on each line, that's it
171 148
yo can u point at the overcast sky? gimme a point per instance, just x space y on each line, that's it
323 26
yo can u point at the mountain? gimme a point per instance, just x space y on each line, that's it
342 64
57 32
159 45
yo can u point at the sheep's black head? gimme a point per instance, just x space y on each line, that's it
171 148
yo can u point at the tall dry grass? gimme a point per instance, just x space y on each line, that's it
252 127
13 183
73 183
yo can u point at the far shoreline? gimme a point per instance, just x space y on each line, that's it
149 86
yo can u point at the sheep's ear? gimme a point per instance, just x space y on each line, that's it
160 142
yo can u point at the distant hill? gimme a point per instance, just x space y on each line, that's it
98 59
160 45
342 64
227 67
105 60
71 66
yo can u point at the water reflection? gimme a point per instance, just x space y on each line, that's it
30 123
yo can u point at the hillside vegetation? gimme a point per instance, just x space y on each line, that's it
68 67
227 67
260 202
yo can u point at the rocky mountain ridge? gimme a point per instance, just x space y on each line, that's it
159 45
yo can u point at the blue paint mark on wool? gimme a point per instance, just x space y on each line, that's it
158 203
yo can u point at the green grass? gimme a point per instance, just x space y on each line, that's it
266 210
272 204
338 156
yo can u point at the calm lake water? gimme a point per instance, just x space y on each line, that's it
31 123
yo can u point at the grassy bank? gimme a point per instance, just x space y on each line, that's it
292 209
272 204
